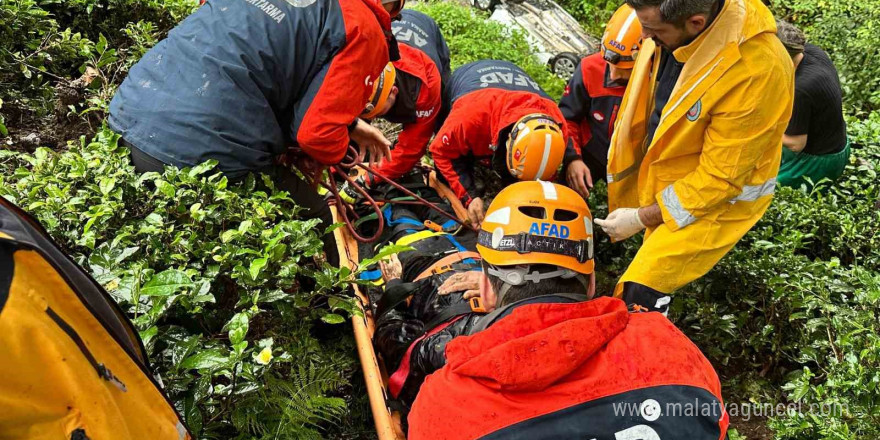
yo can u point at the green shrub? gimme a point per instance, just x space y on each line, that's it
846 29
592 14
219 280
792 313
472 37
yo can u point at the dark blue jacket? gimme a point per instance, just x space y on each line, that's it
418 30
241 80
492 74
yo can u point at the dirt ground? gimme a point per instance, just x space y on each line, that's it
753 429
27 131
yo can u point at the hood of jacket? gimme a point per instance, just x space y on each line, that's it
512 354
381 14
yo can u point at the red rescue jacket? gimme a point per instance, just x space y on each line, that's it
588 370
470 132
417 109
590 105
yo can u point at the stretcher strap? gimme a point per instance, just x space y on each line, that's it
398 379
448 260
524 243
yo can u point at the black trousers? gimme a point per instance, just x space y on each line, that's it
646 298
300 191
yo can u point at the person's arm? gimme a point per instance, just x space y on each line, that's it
338 94
795 138
744 126
449 151
794 143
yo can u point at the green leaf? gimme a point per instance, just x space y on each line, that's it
205 359
333 318
238 327
166 188
167 283
257 266
203 168
385 252
107 184
273 296
102 43
244 226
229 235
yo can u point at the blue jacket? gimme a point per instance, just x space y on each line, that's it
418 30
241 80
491 74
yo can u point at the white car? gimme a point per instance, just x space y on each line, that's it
556 36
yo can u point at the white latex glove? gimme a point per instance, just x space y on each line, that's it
621 224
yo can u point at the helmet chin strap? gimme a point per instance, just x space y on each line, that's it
519 275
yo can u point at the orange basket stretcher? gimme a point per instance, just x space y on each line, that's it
388 422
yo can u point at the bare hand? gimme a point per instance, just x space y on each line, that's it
391 269
469 282
371 141
579 178
476 212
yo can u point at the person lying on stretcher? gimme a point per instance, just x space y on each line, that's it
545 362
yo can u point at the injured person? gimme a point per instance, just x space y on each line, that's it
508 343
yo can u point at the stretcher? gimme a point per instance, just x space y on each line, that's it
388 422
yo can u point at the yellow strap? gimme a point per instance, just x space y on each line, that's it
421 235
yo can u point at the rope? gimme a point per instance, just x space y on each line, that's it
347 212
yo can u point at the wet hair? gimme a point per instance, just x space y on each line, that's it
791 37
530 290
678 11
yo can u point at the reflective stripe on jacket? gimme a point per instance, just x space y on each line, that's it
713 160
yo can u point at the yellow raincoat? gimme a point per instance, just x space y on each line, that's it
714 157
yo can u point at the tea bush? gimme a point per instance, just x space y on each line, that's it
219 280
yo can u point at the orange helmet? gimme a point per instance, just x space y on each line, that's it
538 223
535 148
381 90
623 38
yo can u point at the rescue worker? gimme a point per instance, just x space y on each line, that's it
499 118
816 145
592 99
418 30
241 81
415 99
694 156
547 363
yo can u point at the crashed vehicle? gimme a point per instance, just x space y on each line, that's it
556 36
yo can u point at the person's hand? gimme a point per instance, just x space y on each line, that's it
469 282
476 212
579 178
391 269
621 224
371 141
